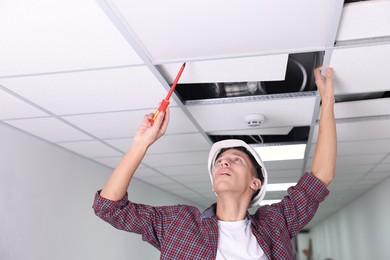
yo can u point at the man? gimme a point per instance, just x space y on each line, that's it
225 230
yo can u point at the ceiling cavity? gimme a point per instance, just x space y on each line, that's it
298 78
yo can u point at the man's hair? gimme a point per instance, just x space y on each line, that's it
259 171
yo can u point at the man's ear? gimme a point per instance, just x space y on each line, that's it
255 184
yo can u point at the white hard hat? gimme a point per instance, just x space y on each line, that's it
232 143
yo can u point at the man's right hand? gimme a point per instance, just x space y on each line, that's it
147 134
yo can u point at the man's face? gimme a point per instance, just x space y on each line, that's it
233 172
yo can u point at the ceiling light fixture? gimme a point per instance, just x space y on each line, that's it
268 202
281 152
279 186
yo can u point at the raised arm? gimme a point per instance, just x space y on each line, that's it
324 162
146 135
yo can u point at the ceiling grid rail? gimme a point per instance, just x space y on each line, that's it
113 14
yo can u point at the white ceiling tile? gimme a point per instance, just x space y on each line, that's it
341 178
351 73
203 28
206 202
180 143
191 194
337 186
354 163
365 184
90 149
197 187
352 169
111 162
284 176
125 124
365 19
207 191
362 108
183 170
366 161
188 158
361 147
12 107
364 130
261 68
144 173
180 123
204 196
359 159
168 143
349 195
91 91
255 131
49 128
181 191
122 144
278 113
360 130
172 186
380 175
159 181
188 174
387 159
382 167
59 35
109 125
190 179
283 165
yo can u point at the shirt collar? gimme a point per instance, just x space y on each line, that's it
210 212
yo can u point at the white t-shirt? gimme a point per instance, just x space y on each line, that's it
236 241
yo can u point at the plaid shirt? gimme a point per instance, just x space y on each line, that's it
183 232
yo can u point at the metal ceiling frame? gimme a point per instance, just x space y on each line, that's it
114 15
119 21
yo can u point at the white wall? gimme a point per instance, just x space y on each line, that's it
361 230
46 196
303 242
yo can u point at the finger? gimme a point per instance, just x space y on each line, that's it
149 116
329 80
329 74
159 119
164 125
146 119
317 74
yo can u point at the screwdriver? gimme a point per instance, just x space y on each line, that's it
165 102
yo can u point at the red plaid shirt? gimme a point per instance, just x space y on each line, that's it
183 232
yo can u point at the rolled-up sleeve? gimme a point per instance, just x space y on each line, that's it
148 221
302 201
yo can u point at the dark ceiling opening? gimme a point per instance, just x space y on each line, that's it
298 78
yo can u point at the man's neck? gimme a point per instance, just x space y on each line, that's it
231 209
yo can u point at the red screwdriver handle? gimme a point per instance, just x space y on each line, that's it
162 108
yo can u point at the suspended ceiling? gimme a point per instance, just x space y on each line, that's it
81 75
